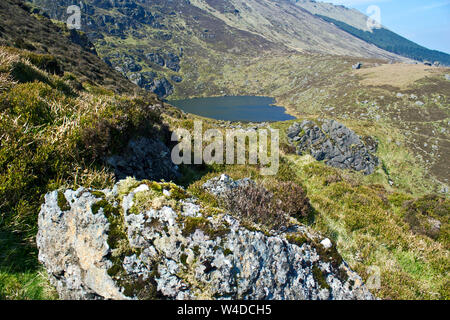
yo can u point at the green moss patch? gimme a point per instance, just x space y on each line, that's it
193 224
298 240
63 204
320 277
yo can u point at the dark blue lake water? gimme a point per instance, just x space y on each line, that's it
239 108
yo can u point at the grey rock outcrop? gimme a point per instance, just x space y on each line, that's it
144 159
162 87
105 245
129 64
173 62
219 186
177 79
82 40
169 60
75 258
156 58
334 143
143 79
146 80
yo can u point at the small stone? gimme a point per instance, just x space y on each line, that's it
326 243
166 193
141 188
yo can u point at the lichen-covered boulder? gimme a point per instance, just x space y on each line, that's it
148 240
335 144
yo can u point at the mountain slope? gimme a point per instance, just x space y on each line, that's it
352 17
284 23
392 42
75 53
355 23
157 44
279 22
211 48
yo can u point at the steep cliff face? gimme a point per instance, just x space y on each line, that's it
144 240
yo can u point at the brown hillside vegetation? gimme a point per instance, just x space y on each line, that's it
37 34
400 75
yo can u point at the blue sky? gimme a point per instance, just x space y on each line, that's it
426 22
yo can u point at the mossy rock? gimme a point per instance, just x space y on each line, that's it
320 277
63 204
201 223
298 240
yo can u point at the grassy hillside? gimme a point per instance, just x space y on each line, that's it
376 226
21 28
55 132
373 223
411 100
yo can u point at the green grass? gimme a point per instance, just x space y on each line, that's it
21 276
54 135
364 215
369 231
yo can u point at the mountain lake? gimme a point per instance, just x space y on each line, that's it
234 108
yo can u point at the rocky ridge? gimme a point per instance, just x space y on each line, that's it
334 143
148 240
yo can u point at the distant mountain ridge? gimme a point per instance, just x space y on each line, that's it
355 23
392 42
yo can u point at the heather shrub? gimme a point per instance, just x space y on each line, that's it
45 62
24 72
287 148
253 204
52 137
106 132
292 199
429 216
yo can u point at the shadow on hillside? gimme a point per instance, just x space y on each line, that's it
192 173
17 255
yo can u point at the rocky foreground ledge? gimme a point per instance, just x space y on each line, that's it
148 240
